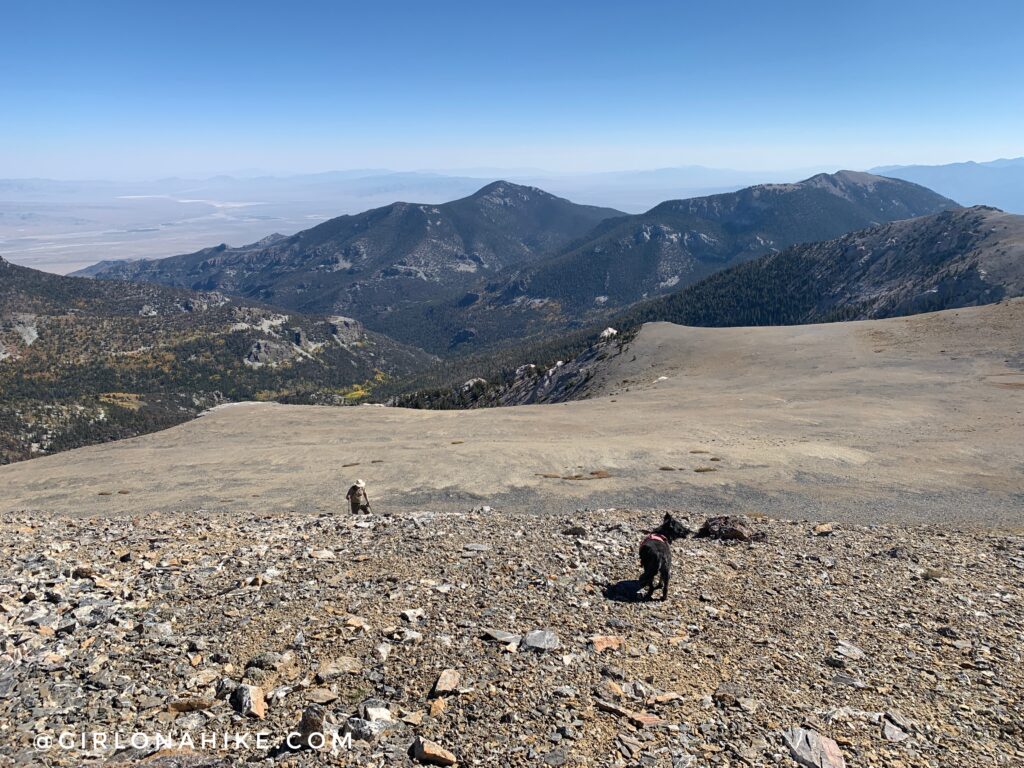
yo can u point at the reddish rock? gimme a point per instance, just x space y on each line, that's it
447 682
607 642
429 753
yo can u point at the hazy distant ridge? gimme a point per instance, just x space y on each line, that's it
999 183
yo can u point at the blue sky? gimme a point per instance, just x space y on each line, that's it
118 89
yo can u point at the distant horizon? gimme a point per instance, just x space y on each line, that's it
484 170
493 174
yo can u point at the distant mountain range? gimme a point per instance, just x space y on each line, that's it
83 361
628 259
681 241
506 277
999 183
957 258
384 260
512 260
61 226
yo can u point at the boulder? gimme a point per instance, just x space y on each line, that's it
729 528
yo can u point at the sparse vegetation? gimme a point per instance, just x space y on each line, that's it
91 361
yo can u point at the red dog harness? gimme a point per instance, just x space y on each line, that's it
653 537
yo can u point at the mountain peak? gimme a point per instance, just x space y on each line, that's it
505 192
494 186
843 178
853 185
267 241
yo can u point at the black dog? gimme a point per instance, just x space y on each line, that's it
655 555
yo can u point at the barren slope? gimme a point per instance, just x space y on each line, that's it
903 419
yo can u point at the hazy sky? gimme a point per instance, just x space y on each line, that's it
134 89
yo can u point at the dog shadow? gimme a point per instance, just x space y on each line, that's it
626 591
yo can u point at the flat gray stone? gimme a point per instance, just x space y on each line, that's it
849 650
541 640
500 636
812 750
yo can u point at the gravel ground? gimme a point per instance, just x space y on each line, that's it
896 646
966 509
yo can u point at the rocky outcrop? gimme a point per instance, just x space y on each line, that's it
530 384
270 352
346 330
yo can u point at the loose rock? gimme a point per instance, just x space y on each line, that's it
607 642
313 723
429 753
447 682
541 640
335 668
249 700
812 750
728 528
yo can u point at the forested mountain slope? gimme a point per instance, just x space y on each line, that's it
675 244
83 361
958 258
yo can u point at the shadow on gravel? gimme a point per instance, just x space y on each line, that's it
626 591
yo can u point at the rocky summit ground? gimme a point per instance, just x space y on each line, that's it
200 591
507 638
